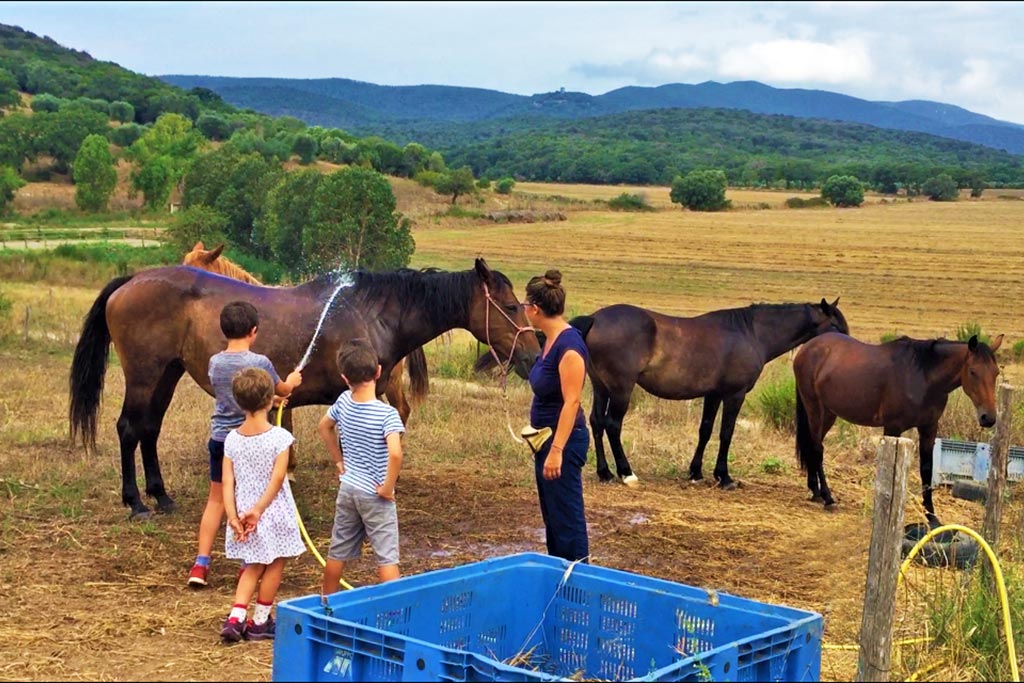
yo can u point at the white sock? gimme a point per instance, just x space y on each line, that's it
238 612
261 613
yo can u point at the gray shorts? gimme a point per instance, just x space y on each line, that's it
362 515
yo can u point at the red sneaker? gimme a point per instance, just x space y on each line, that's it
197 577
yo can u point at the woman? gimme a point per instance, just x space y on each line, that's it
557 382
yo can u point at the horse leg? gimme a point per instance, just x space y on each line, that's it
730 411
395 393
128 439
926 437
707 423
598 421
150 433
827 420
617 407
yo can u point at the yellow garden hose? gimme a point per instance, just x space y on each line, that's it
302 527
996 572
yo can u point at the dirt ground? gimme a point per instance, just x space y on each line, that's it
90 595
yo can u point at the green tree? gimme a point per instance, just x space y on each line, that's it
504 185
305 146
46 102
700 190
122 111
287 212
941 188
155 180
126 134
60 134
213 126
355 225
10 181
94 174
9 95
843 190
197 224
457 182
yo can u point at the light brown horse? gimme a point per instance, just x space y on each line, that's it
214 261
898 386
164 322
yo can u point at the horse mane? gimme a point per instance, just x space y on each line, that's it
744 316
440 295
220 265
922 352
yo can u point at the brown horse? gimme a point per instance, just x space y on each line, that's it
718 355
164 322
897 386
214 261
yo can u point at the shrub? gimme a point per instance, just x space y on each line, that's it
772 465
843 191
967 330
484 183
125 134
701 191
504 185
941 188
776 403
1018 350
810 202
890 336
630 202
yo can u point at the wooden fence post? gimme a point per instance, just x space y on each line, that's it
997 467
894 454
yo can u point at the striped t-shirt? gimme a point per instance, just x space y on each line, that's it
362 430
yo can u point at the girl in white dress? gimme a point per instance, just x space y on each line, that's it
263 530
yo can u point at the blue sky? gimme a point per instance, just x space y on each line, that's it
967 54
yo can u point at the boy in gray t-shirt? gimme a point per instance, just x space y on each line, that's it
238 322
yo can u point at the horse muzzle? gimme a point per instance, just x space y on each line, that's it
524 363
986 419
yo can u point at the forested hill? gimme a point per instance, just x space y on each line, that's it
655 146
364 107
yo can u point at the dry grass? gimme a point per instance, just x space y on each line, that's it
467 489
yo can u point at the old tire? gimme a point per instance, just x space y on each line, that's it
970 490
948 549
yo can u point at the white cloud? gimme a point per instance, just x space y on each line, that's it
796 61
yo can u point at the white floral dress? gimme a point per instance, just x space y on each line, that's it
277 533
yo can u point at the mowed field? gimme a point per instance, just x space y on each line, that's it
91 595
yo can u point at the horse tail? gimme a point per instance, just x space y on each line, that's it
419 382
805 450
583 323
89 367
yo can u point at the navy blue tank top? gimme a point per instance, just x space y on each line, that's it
546 383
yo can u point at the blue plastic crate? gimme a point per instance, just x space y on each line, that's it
469 622
954 460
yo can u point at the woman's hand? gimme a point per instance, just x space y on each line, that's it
553 463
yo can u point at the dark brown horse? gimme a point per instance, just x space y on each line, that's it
718 355
897 386
165 322
214 261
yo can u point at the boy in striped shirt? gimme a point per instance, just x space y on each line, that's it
368 432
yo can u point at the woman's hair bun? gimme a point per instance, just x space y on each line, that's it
553 278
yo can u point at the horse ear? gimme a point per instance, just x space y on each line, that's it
836 302
826 309
483 271
199 246
972 343
995 345
214 253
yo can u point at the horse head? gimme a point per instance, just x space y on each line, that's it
978 378
829 318
497 319
200 257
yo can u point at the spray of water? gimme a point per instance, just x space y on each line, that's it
346 281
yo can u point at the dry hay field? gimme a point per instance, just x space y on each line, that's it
89 594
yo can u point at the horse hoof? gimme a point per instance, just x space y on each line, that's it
605 477
816 499
166 505
831 507
632 481
291 477
141 515
729 486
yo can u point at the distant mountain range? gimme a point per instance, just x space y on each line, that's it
365 108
